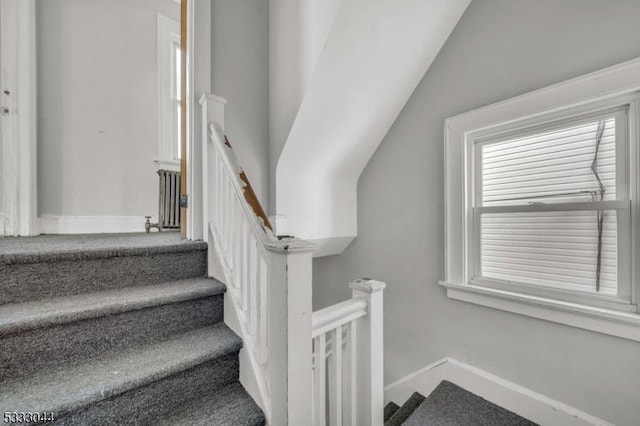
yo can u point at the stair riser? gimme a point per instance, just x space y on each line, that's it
32 281
141 405
34 350
406 410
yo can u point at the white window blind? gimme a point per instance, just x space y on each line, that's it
574 250
551 249
553 166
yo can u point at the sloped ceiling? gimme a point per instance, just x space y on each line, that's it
375 54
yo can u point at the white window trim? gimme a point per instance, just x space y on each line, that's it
587 92
168 34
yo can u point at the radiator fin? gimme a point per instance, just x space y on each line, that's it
169 206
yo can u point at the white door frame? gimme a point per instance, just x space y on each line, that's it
19 136
198 82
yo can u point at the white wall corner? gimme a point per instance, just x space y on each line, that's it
511 396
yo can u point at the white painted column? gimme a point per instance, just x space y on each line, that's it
370 353
18 94
290 350
199 81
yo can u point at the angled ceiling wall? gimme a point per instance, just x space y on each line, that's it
350 93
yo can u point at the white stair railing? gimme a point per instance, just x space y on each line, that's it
348 359
268 299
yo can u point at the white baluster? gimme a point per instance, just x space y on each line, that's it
219 190
237 241
253 299
224 223
352 344
320 408
246 288
314 357
231 217
335 381
263 280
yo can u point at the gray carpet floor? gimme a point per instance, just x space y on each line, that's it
86 246
119 329
39 243
450 405
53 266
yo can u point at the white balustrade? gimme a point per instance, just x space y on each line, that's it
268 299
348 359
268 303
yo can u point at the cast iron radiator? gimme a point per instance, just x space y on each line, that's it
169 203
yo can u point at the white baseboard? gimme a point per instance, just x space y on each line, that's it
518 399
49 224
424 381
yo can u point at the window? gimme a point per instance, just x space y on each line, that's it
176 99
541 192
169 101
546 208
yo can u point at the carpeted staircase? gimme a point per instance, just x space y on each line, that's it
117 329
450 405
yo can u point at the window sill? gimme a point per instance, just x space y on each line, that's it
173 165
606 321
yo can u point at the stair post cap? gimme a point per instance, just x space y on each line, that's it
367 285
290 246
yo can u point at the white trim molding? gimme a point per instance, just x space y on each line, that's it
607 321
616 85
198 82
50 224
19 136
168 34
511 396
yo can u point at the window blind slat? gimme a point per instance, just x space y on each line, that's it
584 154
548 281
557 249
546 146
517 170
559 134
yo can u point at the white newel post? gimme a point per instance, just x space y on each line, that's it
212 112
290 346
370 353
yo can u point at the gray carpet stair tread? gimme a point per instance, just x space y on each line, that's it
450 405
49 248
390 409
405 411
17 317
65 389
229 406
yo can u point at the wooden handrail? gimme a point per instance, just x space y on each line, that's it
268 298
250 195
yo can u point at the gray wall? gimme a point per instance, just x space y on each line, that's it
240 73
499 49
97 113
